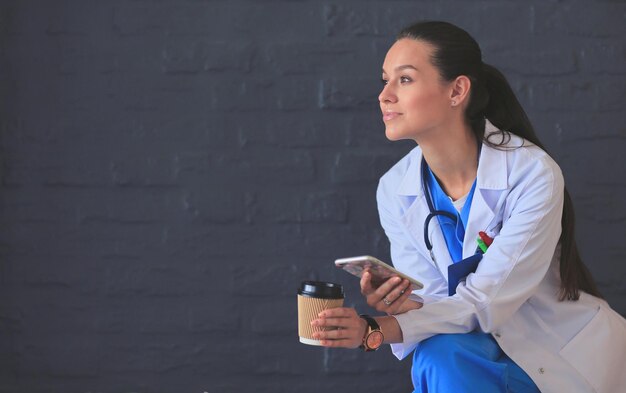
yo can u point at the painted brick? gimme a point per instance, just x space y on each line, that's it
513 21
270 166
286 94
81 365
602 56
290 206
602 19
390 20
217 20
577 127
523 58
349 93
139 206
278 308
172 170
125 279
290 131
347 20
580 94
129 55
302 58
360 167
190 56
272 281
227 206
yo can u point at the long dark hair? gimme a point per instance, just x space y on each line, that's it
491 97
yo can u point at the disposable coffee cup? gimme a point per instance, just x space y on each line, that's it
313 298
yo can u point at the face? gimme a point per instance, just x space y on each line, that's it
414 100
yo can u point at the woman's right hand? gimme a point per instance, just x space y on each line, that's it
391 297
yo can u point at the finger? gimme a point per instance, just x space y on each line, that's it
407 292
338 312
380 292
400 303
378 300
399 291
335 334
344 323
388 286
366 283
393 301
341 343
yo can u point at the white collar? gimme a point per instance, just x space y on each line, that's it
491 174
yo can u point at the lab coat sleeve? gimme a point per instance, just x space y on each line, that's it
405 256
510 271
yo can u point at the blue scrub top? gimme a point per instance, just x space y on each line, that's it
453 232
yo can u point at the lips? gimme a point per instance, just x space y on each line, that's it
387 116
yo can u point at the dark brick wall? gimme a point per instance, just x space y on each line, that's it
172 170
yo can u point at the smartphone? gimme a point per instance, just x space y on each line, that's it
380 270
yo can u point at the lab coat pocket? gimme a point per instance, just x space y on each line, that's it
596 352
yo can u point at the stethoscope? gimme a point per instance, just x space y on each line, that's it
431 208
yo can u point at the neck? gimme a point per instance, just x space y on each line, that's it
452 155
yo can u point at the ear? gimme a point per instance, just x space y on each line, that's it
460 90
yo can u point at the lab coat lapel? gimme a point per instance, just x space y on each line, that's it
491 181
412 193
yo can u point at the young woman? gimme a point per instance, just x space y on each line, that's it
527 317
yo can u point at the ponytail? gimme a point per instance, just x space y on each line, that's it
491 97
506 113
574 274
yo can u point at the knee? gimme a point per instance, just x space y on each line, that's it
444 350
441 362
432 362
437 351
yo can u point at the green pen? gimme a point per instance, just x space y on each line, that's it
481 244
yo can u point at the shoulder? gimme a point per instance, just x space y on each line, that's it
522 157
525 160
525 170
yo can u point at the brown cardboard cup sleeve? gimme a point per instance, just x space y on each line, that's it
313 298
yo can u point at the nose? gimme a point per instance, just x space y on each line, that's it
387 94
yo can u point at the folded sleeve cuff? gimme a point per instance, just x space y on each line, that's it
402 350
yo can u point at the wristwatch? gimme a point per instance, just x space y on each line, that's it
373 338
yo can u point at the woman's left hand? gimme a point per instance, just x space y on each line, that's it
350 328
391 297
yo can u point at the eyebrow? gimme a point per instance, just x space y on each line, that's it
402 67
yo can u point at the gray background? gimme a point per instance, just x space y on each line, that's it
170 171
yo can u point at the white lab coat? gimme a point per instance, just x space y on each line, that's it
563 346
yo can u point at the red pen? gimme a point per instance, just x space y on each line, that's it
485 238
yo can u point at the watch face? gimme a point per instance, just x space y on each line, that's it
374 339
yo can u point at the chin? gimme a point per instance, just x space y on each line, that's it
390 134
393 135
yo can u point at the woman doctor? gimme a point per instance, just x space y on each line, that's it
529 318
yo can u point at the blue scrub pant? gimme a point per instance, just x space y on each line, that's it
471 362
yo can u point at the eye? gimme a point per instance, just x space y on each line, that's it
384 81
405 79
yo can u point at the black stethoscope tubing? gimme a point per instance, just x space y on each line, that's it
431 209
